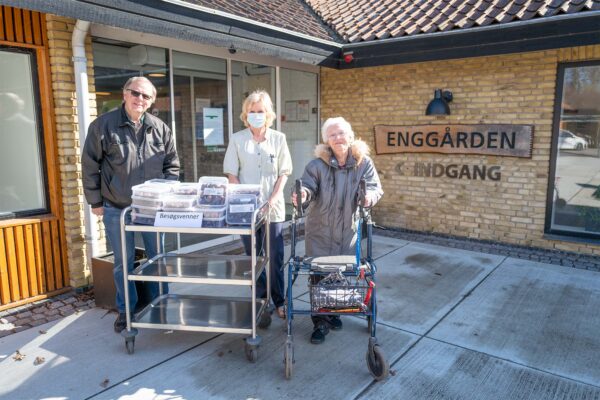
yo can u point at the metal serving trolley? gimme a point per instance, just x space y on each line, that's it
198 312
338 285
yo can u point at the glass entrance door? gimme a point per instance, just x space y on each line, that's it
201 114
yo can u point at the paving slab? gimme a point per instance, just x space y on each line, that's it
433 370
218 369
419 283
81 354
539 315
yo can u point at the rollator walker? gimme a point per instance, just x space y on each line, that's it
338 285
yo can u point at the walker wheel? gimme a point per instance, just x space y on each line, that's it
288 358
378 366
251 353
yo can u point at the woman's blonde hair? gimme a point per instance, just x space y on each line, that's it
337 121
255 97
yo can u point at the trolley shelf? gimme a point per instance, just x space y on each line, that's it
190 268
228 230
199 313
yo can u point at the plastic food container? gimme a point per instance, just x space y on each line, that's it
179 201
213 222
158 181
212 212
146 202
142 219
213 191
244 189
154 191
144 209
175 209
240 208
187 188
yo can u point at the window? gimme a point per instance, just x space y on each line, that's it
22 175
575 192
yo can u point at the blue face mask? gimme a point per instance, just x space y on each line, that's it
257 120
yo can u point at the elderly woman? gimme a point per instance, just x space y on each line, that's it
260 155
330 186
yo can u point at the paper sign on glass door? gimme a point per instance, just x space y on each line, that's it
213 127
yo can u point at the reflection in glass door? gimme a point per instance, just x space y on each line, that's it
299 120
22 179
200 94
576 195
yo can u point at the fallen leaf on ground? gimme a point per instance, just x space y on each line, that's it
392 372
105 382
39 360
18 356
42 332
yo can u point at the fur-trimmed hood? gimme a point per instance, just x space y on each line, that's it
358 148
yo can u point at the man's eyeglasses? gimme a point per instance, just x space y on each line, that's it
135 93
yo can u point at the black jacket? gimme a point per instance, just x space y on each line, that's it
113 162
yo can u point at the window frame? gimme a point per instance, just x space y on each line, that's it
34 60
558 98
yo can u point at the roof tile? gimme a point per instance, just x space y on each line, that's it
366 20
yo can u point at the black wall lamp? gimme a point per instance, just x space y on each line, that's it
439 104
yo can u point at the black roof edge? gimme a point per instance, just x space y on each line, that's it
167 19
517 37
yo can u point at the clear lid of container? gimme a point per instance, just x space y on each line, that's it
179 201
161 181
146 201
213 179
242 188
189 188
153 190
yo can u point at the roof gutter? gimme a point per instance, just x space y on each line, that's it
194 23
514 37
185 4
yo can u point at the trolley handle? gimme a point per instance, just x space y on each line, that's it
298 190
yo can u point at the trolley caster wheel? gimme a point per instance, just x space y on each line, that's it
265 320
130 345
378 366
129 336
288 358
251 353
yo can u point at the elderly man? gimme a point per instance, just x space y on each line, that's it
124 148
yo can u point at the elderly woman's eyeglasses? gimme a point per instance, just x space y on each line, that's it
333 135
135 93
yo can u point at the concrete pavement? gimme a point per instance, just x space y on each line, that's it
454 324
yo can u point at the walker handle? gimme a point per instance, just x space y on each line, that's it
298 190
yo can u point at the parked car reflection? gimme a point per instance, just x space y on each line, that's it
567 140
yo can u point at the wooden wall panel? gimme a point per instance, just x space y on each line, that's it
33 261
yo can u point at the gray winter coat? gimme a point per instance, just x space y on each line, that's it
113 161
332 199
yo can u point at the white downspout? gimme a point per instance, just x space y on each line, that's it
83 117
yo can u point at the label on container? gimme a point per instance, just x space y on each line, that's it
213 191
241 208
178 219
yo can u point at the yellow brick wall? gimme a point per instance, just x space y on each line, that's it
508 89
67 131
